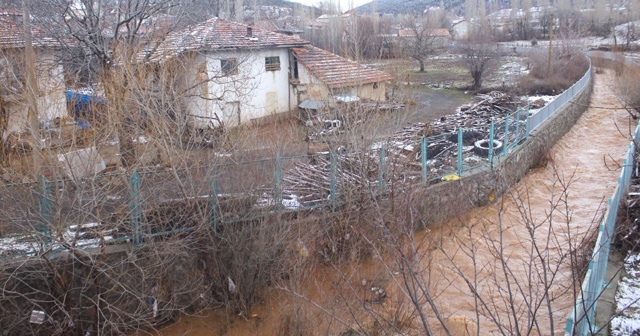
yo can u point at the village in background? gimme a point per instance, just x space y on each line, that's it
163 158
204 68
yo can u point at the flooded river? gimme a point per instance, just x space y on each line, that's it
558 204
491 251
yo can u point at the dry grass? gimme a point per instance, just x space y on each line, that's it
628 87
568 65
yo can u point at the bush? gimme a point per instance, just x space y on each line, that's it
568 65
628 87
534 42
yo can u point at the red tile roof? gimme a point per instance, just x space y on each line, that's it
218 34
12 32
335 71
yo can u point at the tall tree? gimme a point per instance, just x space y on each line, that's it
478 54
423 37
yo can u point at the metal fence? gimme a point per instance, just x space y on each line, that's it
547 111
113 207
581 322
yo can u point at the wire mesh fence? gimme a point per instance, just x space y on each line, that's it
582 319
134 206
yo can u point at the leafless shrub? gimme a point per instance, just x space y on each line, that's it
628 88
567 65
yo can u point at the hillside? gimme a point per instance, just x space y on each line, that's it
408 6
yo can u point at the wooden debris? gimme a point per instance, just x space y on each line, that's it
310 182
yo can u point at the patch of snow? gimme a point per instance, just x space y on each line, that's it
547 99
627 321
141 139
291 202
377 145
28 244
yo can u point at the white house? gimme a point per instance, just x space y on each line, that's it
236 74
459 29
50 98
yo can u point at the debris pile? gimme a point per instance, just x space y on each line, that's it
492 106
310 182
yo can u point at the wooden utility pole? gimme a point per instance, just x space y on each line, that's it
550 45
31 86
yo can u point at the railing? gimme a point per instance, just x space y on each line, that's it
553 106
581 322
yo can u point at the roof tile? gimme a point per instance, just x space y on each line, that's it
218 34
335 71
12 32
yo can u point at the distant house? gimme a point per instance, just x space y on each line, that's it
510 21
237 74
438 37
284 28
50 92
459 29
323 76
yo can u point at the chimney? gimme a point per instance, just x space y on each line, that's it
249 31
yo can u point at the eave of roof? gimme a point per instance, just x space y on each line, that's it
335 71
12 32
218 34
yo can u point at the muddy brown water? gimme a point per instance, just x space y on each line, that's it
563 200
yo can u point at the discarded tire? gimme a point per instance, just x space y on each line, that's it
481 147
468 137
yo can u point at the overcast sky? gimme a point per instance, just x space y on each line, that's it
344 4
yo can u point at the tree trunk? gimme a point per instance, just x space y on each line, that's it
421 65
477 80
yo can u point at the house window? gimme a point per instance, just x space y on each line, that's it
375 85
229 67
272 63
295 68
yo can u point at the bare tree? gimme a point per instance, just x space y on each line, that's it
423 39
478 55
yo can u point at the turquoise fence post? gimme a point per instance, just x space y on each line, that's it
381 169
136 211
528 124
278 188
460 132
45 212
333 183
491 145
213 199
423 157
517 126
505 144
